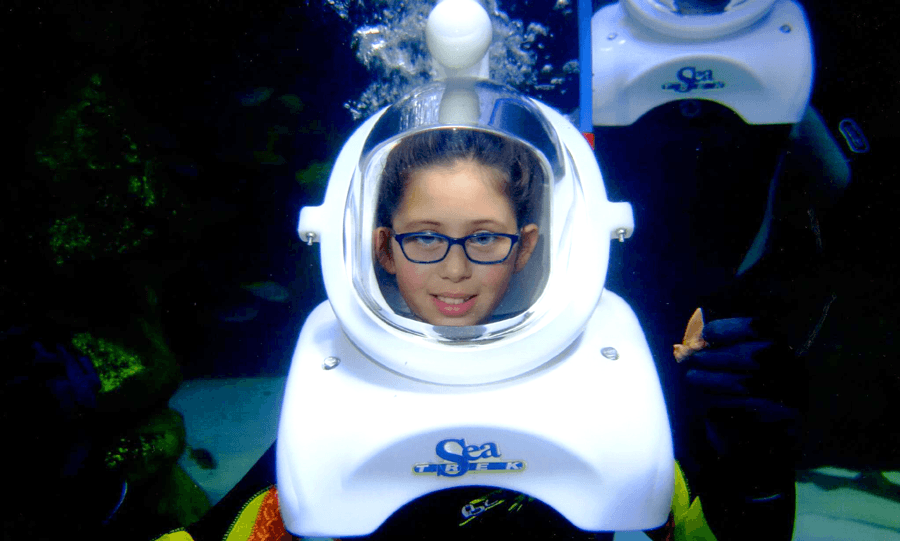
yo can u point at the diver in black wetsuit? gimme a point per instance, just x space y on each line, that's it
747 250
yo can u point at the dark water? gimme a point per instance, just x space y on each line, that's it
192 79
185 72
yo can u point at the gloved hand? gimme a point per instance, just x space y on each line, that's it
49 404
744 381
745 387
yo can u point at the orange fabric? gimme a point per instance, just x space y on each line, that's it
268 525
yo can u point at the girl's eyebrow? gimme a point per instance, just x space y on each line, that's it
419 223
475 223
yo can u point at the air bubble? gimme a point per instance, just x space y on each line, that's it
390 43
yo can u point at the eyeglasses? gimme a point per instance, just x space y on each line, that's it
480 248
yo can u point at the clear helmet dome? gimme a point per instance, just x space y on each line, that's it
540 312
443 117
697 19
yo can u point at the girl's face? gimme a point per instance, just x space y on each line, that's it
454 201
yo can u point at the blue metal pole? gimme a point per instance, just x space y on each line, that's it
585 76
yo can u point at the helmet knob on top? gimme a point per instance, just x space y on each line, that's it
458 33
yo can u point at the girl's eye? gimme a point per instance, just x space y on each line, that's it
424 239
483 239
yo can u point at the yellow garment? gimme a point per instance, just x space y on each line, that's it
243 526
690 524
259 519
179 535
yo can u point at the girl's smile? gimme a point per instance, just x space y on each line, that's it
454 306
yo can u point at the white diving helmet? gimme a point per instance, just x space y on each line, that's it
556 396
646 53
548 303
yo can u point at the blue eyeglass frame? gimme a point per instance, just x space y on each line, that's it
451 241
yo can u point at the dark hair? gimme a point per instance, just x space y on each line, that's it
519 165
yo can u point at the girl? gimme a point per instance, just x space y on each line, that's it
454 221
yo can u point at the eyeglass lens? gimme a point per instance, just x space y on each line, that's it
483 248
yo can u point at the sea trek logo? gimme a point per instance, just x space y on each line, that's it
693 79
460 458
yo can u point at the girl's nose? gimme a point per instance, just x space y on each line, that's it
456 266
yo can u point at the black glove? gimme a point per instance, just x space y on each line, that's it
49 404
745 386
748 387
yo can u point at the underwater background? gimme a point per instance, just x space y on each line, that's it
157 160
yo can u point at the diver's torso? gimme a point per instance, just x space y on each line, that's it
479 513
